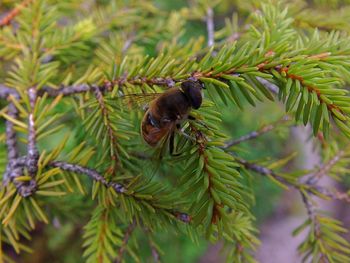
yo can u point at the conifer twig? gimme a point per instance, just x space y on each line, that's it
13 13
32 151
316 223
263 171
16 169
154 249
93 174
311 188
65 90
96 176
125 241
254 134
110 130
325 168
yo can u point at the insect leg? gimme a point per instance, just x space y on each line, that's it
192 118
183 133
171 143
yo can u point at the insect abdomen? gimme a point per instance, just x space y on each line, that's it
150 132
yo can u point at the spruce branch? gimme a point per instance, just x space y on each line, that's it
325 168
319 226
154 248
254 134
124 244
168 82
96 176
13 13
201 141
300 185
324 242
268 62
313 217
332 108
310 88
15 165
333 194
93 174
110 129
32 150
71 89
53 92
14 170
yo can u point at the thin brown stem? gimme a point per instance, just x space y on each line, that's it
310 208
110 130
96 176
310 188
254 134
13 13
125 241
93 174
325 168
32 150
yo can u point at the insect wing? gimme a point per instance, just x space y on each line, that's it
138 100
163 145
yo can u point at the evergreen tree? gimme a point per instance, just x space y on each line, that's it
75 75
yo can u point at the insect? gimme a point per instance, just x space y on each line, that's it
166 112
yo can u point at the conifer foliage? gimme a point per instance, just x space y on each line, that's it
73 74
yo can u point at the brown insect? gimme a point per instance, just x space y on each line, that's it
166 113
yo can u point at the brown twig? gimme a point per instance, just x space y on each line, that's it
310 188
65 90
15 164
125 241
325 168
96 176
110 130
170 82
264 171
153 246
315 221
93 174
254 134
312 214
13 13
32 150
